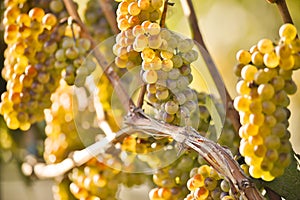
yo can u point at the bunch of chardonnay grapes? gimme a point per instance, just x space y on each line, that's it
265 82
72 58
164 58
61 130
206 183
171 180
32 38
96 22
134 12
94 180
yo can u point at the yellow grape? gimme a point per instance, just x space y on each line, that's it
265 46
243 57
288 31
248 72
271 60
133 9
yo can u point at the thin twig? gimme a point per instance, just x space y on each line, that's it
283 10
189 11
126 101
231 113
110 15
141 96
164 14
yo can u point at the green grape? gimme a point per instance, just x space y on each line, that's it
261 77
171 107
266 91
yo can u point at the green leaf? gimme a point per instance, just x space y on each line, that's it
287 185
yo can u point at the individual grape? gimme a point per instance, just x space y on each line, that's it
144 4
283 51
248 72
265 46
134 9
241 103
288 32
150 76
257 59
171 107
243 57
271 60
266 91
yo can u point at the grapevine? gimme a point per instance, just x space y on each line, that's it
108 97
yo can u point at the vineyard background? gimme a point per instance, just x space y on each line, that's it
227 26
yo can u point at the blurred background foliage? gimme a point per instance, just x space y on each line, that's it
227 26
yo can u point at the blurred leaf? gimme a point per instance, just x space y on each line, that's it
287 185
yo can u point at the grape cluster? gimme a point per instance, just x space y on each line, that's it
32 38
265 82
134 12
96 21
61 130
94 180
206 183
71 59
165 62
171 180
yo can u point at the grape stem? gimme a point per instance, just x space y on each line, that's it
126 101
190 13
109 14
164 14
283 10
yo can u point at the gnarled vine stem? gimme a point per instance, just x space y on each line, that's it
217 156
